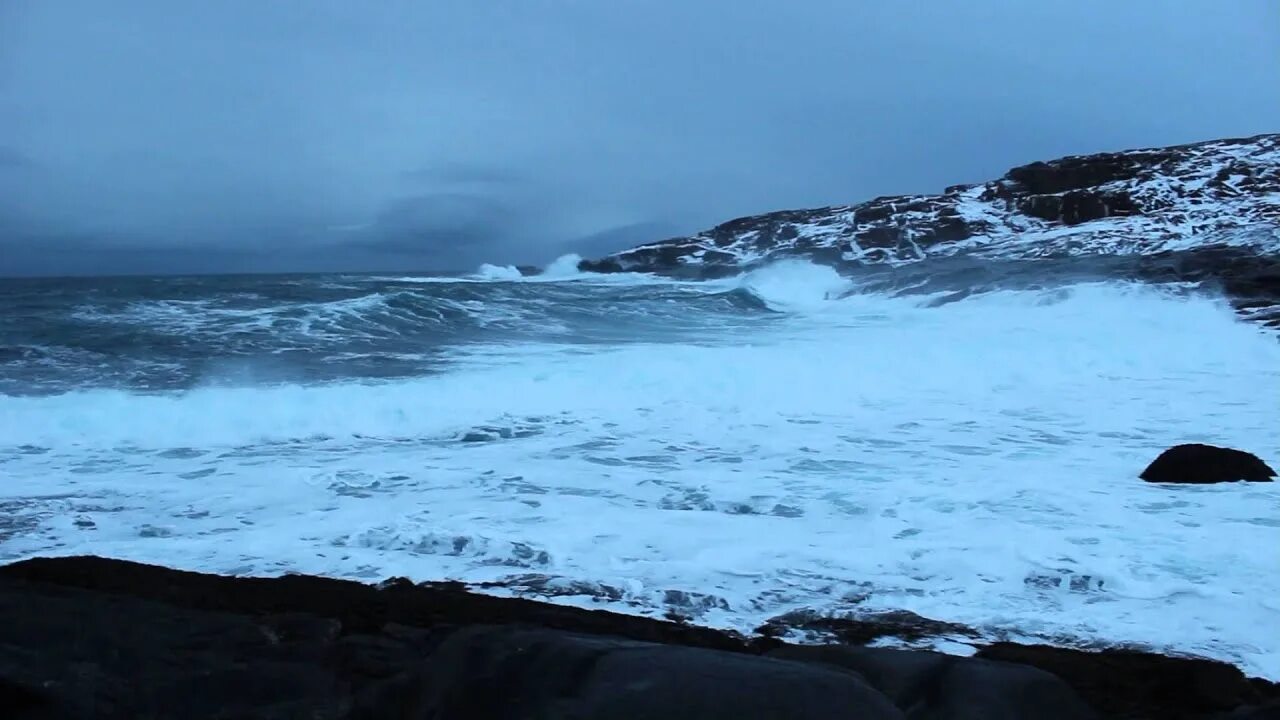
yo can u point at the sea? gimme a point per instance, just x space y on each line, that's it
959 439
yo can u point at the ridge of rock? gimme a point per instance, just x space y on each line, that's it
1215 194
93 637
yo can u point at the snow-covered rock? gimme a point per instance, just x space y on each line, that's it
1207 211
1219 193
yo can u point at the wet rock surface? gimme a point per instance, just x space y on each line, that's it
932 685
89 637
1200 464
896 625
1133 684
491 671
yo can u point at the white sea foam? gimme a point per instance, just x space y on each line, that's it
793 285
565 266
498 272
562 269
973 462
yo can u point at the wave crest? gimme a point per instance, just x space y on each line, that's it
795 285
498 272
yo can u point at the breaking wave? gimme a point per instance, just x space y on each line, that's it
960 443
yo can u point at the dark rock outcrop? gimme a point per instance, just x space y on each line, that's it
931 685
497 672
1205 464
897 625
1132 684
1269 711
1211 210
95 638
1250 279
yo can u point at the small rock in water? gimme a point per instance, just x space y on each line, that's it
1203 464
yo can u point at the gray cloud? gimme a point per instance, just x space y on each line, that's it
320 134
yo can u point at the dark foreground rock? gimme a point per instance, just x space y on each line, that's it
1129 683
1205 464
1269 711
898 625
97 638
505 672
931 685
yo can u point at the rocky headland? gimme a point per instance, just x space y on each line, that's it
1206 212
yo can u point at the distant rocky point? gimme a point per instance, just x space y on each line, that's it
1207 211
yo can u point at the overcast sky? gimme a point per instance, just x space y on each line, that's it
182 135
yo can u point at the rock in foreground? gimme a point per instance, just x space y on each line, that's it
96 638
506 672
1206 464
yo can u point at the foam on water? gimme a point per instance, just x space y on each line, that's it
794 285
974 461
562 269
498 272
565 266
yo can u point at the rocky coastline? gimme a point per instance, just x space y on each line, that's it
91 637
1205 213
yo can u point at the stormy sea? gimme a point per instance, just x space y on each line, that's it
960 439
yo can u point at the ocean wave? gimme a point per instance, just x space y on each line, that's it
185 335
828 458
794 285
370 315
557 373
499 272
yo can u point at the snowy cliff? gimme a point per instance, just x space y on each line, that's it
1207 210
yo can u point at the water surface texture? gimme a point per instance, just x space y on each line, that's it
959 442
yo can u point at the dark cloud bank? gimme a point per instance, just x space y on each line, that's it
160 136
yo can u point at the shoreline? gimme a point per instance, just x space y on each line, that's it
326 613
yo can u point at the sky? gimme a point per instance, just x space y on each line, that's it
156 136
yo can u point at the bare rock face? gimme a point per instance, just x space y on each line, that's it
1206 211
931 685
502 672
88 637
1205 464
1130 684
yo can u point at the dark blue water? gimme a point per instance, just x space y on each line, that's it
167 333
172 333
